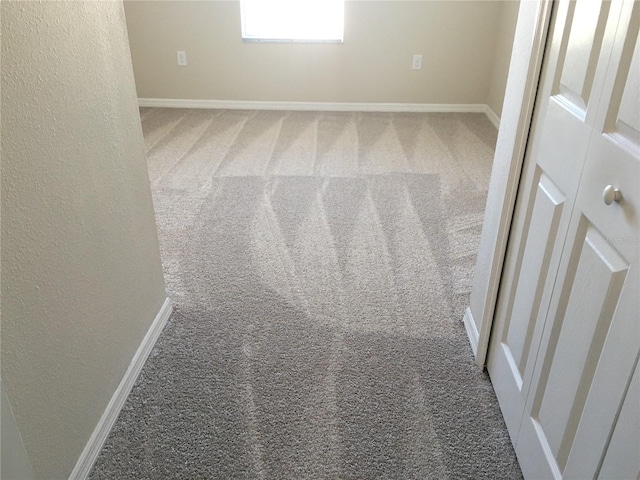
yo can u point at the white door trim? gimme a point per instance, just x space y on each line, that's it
524 74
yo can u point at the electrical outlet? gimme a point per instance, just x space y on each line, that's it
182 58
417 62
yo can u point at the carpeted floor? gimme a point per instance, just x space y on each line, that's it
319 264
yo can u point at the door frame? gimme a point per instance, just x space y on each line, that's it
534 18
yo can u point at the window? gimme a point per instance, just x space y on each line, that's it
292 20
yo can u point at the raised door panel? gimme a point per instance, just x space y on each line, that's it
581 43
622 110
523 309
588 299
627 122
582 32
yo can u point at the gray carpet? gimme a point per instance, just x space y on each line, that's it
319 264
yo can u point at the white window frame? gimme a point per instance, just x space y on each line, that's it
257 14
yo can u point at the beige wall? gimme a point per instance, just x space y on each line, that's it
81 273
504 43
14 461
456 38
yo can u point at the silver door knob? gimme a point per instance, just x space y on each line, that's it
610 195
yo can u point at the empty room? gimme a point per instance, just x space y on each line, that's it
307 239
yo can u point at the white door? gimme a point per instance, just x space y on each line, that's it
625 441
567 330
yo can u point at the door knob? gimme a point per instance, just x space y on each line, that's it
610 195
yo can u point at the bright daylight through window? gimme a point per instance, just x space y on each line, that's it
293 20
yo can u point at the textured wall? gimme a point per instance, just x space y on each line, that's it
504 43
14 463
81 273
456 38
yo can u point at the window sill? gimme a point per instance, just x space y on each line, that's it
289 40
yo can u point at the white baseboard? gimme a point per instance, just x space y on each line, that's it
472 331
491 115
314 106
110 415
